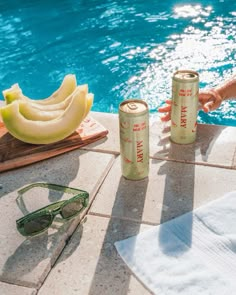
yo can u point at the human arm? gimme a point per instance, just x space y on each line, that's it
212 99
209 99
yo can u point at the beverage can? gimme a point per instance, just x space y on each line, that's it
134 138
184 106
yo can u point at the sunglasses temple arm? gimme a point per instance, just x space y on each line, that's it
19 200
21 204
37 184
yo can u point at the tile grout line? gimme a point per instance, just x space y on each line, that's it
232 167
112 161
234 160
116 154
122 218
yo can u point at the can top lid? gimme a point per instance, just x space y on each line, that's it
186 75
133 106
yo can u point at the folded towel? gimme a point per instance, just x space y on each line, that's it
190 255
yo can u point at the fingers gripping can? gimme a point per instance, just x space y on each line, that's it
184 107
134 138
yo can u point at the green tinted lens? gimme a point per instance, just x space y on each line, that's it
37 224
72 208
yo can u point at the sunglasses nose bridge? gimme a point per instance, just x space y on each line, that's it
56 211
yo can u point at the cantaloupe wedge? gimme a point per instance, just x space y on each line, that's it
44 132
67 86
30 112
90 98
58 106
13 93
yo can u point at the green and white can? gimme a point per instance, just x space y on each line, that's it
134 138
184 106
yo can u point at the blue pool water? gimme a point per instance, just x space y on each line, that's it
122 49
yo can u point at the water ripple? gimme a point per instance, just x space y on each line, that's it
121 48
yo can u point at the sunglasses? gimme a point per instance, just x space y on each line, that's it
40 220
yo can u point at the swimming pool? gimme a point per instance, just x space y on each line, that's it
122 49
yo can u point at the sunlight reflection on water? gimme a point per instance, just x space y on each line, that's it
210 50
122 49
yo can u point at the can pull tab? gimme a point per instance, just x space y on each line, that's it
189 76
132 106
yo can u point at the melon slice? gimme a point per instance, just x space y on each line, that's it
61 105
67 86
32 112
90 98
44 132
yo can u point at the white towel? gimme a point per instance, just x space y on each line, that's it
190 255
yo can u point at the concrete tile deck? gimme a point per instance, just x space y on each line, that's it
181 179
8 289
215 144
26 262
171 189
90 263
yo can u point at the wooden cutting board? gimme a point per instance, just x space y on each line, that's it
15 153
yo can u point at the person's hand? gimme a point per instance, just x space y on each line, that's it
209 100
167 110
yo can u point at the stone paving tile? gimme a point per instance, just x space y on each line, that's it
90 263
172 189
27 262
8 289
215 144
